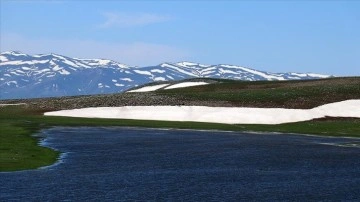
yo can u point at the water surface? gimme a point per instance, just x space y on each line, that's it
120 164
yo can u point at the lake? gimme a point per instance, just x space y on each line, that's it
134 164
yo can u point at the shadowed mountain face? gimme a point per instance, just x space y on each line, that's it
48 75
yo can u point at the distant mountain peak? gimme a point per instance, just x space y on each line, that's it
45 75
189 64
15 53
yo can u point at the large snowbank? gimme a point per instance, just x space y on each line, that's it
229 115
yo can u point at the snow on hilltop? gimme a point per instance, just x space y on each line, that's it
148 88
46 75
167 86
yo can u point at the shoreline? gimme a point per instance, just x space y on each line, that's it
212 130
62 155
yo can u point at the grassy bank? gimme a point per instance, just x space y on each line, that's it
20 150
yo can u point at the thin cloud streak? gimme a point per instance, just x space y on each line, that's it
38 1
113 19
133 54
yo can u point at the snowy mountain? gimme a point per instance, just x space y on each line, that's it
47 75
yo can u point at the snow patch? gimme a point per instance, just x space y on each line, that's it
59 56
101 85
25 68
64 72
299 74
178 69
42 71
20 71
11 82
3 58
266 76
157 71
122 66
159 79
187 64
208 69
15 73
103 62
56 68
82 65
225 71
32 62
126 79
318 75
70 63
148 88
15 53
186 84
143 72
227 115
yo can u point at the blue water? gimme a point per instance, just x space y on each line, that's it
129 164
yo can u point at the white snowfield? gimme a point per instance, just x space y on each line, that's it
186 84
148 88
227 115
169 86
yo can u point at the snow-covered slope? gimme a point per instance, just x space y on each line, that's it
29 76
228 115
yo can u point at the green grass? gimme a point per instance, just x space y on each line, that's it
288 94
20 150
335 128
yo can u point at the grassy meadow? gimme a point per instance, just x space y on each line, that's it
20 150
298 94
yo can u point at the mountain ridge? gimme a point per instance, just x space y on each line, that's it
51 75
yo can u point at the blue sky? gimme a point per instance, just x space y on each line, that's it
276 36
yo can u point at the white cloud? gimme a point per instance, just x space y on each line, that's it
138 53
113 19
